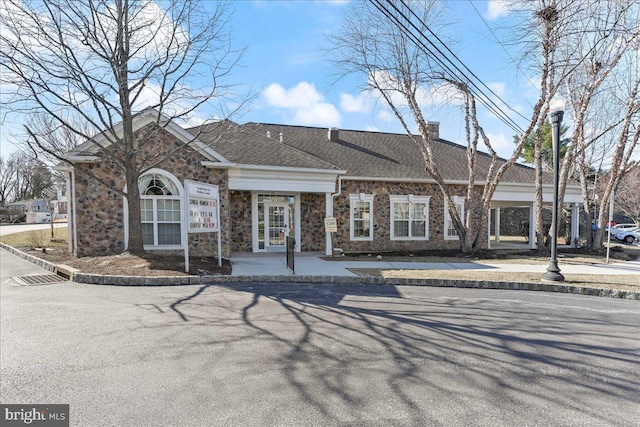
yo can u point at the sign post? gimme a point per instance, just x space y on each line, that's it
202 208
330 226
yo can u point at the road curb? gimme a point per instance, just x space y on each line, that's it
109 280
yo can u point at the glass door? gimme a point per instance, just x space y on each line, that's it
276 226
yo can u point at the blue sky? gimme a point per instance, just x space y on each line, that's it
285 60
285 65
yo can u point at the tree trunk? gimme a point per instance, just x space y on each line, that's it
135 245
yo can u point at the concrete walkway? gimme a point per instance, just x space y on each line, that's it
312 264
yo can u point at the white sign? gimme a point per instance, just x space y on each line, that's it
202 207
330 225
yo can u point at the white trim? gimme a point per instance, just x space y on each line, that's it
218 165
332 172
255 246
183 221
449 181
411 199
282 180
103 139
361 197
81 159
458 201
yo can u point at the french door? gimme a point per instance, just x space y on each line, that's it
277 226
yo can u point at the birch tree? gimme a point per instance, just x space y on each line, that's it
600 51
100 62
374 43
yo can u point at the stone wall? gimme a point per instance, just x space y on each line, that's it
382 214
312 213
100 209
240 214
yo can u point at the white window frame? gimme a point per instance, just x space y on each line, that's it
180 196
411 199
360 198
458 201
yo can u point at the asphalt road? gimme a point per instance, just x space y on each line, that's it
297 355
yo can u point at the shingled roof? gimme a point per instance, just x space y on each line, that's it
245 145
385 155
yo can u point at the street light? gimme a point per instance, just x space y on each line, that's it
556 107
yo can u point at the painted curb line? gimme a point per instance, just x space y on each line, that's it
109 280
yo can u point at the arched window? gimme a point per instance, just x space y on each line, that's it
161 210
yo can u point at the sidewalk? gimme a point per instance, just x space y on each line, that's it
312 264
312 269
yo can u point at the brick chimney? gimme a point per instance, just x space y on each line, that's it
434 130
333 134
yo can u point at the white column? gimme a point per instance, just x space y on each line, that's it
575 224
489 229
497 229
532 226
328 208
67 191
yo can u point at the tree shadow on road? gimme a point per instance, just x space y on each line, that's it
354 351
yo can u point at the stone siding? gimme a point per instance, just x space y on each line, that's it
240 213
100 209
382 217
312 213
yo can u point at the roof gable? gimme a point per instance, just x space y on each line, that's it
102 140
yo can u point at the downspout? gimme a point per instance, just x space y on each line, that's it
75 222
69 201
334 195
331 251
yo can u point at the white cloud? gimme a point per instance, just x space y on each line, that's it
386 115
302 95
502 144
322 114
363 103
499 88
497 9
302 104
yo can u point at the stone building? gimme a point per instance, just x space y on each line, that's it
275 181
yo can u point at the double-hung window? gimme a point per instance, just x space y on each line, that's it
361 216
450 231
161 211
409 217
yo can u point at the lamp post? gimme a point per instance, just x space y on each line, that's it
556 108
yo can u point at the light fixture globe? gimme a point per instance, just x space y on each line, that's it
557 104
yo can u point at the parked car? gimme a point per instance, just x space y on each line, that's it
620 228
629 235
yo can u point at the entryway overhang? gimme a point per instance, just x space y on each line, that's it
511 195
283 179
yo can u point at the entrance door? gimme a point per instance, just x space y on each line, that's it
276 226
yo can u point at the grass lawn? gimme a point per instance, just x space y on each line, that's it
38 239
627 282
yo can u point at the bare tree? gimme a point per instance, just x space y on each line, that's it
22 177
627 196
597 50
6 178
44 130
375 42
100 62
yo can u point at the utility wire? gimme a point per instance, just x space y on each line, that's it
458 59
513 61
421 45
458 74
481 96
